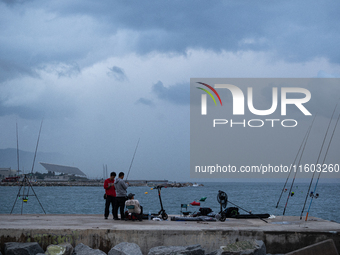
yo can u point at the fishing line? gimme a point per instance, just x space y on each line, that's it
292 165
132 159
17 145
26 180
304 146
36 148
321 165
317 161
35 155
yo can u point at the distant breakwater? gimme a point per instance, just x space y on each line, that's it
94 184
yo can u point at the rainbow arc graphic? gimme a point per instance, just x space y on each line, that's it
209 93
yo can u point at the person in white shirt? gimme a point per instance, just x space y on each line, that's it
138 209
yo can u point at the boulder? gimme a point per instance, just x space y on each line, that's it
247 247
177 250
326 247
32 248
82 249
60 249
126 249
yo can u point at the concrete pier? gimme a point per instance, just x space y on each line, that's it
281 235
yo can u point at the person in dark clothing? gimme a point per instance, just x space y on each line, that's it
110 192
121 191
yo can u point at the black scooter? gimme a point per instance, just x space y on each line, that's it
162 212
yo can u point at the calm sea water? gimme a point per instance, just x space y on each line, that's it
257 197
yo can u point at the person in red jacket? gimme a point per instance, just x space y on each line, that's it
110 192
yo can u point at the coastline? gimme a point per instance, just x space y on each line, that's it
96 184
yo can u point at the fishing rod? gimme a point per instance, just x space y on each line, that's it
36 148
304 146
26 180
321 165
132 159
16 124
35 155
17 134
248 211
291 166
317 161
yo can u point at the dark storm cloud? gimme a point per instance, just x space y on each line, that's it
294 31
66 36
118 73
177 94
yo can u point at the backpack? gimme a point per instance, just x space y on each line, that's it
205 211
231 211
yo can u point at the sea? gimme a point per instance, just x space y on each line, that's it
256 197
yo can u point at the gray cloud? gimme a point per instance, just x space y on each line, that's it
293 31
12 2
220 25
145 101
177 94
118 73
21 111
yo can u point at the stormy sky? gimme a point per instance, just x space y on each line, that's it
103 74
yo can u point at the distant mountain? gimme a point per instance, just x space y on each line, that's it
8 158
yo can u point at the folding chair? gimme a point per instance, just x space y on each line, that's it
186 212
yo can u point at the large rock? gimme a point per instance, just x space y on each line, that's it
60 249
126 249
82 249
32 248
177 250
251 247
326 247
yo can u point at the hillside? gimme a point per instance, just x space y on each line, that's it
8 158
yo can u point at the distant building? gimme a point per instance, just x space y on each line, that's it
7 172
69 170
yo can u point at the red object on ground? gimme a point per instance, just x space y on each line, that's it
196 203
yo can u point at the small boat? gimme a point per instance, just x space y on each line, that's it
195 185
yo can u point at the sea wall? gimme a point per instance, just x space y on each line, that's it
210 240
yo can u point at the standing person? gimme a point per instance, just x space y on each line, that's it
121 188
110 192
